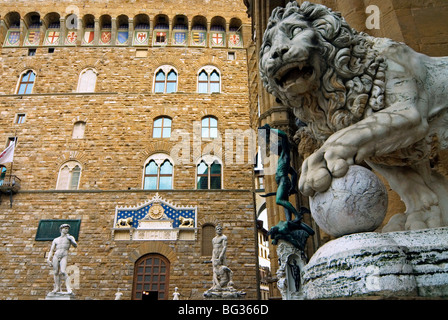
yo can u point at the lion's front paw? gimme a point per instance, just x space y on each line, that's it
319 169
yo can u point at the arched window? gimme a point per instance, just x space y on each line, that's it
209 126
151 273
162 127
87 80
26 82
69 176
209 173
158 174
208 232
165 80
209 80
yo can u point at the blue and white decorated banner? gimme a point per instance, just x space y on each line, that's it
156 209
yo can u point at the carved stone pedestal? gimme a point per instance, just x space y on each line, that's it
394 264
224 294
290 272
60 296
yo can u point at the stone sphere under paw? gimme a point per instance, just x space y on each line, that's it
356 202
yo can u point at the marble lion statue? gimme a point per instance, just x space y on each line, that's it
361 99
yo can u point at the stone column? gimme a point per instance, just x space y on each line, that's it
97 32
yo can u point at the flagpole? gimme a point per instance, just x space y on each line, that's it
12 162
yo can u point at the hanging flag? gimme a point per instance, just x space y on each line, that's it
8 154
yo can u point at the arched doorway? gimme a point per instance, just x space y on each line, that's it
151 273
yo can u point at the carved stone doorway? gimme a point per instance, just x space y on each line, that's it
151 274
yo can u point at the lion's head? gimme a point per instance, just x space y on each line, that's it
315 63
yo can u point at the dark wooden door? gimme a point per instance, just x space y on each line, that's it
151 274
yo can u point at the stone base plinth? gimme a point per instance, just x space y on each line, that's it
393 264
60 296
224 294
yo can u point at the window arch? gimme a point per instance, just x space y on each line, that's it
162 127
165 79
151 273
158 172
209 127
209 80
69 176
87 80
26 82
209 173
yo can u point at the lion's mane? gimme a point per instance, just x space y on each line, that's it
353 73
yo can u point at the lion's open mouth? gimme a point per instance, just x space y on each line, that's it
291 73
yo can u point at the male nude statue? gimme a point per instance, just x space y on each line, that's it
222 275
59 263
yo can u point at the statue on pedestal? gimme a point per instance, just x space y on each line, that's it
222 275
362 99
60 247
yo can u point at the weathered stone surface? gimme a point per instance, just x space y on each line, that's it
362 100
354 203
404 263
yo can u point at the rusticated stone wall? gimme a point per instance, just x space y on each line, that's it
118 139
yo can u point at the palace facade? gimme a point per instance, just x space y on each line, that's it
131 123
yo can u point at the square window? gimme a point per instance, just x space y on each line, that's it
20 118
31 52
231 56
50 50
11 140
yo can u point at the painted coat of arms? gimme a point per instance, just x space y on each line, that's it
141 38
235 40
198 38
12 39
106 37
217 39
122 37
88 37
71 38
32 38
52 38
